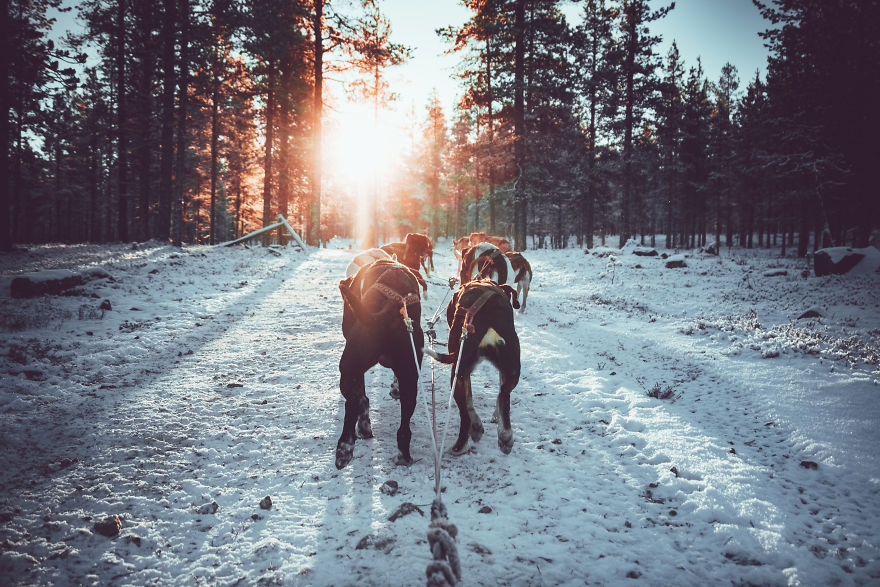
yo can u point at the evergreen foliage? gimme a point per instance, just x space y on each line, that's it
200 120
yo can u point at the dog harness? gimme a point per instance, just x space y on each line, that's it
471 311
404 301
488 260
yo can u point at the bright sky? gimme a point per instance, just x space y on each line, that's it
718 31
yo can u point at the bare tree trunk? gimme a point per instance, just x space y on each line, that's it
180 163
629 98
215 141
519 203
163 221
267 166
6 208
122 124
284 103
491 145
143 146
313 229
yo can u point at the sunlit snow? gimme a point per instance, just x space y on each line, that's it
672 426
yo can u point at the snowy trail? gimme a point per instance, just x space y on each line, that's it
727 460
206 431
605 485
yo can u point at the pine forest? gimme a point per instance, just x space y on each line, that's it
198 121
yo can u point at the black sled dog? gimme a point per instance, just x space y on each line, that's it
378 300
484 310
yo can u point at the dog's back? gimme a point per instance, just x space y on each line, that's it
486 261
481 326
522 270
363 259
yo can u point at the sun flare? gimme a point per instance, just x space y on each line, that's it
359 148
362 152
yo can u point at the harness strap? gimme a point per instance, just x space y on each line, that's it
492 255
404 301
471 311
407 300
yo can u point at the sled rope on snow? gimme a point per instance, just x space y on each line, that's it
433 321
445 569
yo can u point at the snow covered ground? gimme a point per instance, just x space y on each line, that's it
672 426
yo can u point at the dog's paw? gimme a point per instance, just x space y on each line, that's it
505 440
364 427
459 449
402 461
344 452
476 430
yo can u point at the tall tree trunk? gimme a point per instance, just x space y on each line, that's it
122 124
804 232
491 124
629 98
285 126
313 227
163 221
144 142
93 183
267 165
519 203
215 155
6 208
590 204
180 163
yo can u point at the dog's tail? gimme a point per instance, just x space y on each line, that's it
444 358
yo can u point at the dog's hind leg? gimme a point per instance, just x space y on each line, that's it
522 286
352 367
477 429
356 405
408 378
502 411
462 388
364 425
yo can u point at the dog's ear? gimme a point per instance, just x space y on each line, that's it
418 277
466 267
511 293
345 289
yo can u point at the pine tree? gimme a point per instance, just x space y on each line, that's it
670 111
167 114
592 48
32 64
753 142
822 81
721 150
274 37
694 157
436 145
637 66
